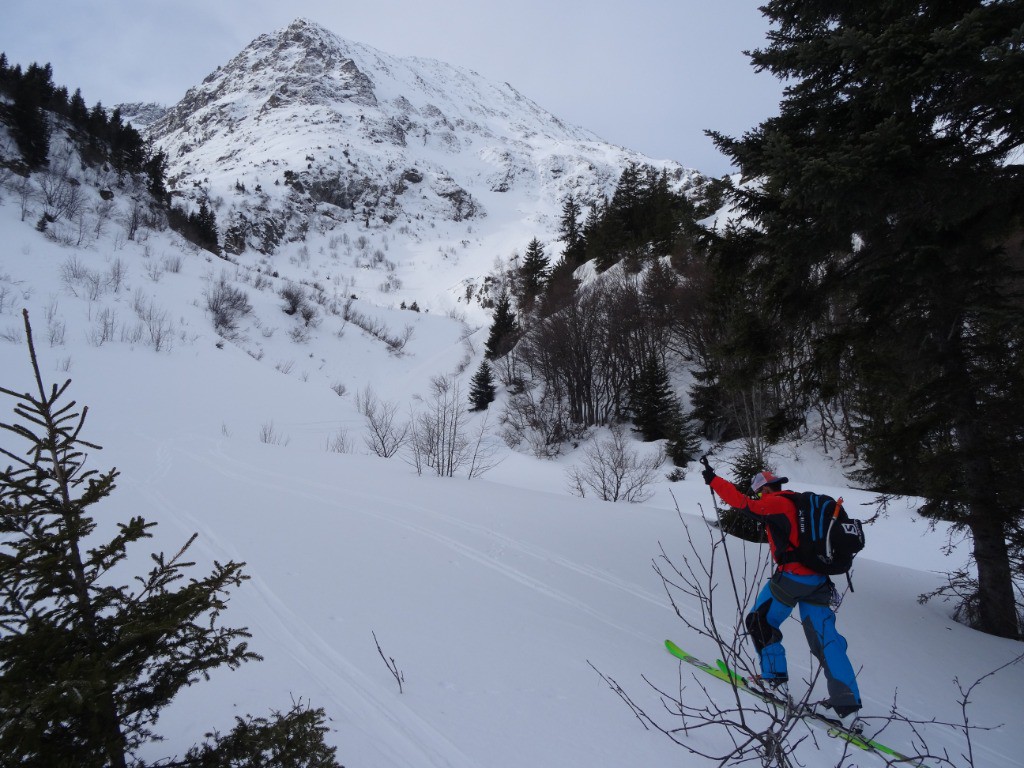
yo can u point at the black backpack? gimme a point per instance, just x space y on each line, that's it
828 537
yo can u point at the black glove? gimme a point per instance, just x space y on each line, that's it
708 474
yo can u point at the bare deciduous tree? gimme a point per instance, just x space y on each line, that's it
483 450
438 433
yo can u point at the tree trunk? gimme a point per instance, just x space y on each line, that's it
997 609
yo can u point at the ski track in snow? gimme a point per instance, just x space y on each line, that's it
239 471
335 673
360 703
363 704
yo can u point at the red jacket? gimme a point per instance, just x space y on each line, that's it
775 510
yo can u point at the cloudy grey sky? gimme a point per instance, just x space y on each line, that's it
650 75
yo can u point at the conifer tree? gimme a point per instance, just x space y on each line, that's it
570 232
503 329
155 169
658 414
653 404
481 389
78 112
533 274
888 247
86 665
31 128
203 227
683 445
595 239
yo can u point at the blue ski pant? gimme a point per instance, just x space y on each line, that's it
774 604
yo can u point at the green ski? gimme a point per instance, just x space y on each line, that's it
722 671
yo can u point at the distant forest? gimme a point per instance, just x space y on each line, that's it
35 105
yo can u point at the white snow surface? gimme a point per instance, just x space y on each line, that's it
494 596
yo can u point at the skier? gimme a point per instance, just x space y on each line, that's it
791 585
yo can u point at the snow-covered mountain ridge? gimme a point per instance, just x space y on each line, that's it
304 132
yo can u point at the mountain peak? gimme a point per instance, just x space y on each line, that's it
337 131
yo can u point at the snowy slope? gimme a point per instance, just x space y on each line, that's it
492 595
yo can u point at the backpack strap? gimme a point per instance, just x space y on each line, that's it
785 552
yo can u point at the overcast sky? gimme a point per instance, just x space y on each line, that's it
650 75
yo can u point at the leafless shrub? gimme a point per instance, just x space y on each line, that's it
117 275
339 442
391 665
310 316
72 270
61 194
613 471
134 219
483 450
155 271
379 330
299 334
294 298
535 414
104 328
81 281
172 263
227 305
26 192
132 334
103 210
12 334
384 436
56 327
391 284
156 325
269 435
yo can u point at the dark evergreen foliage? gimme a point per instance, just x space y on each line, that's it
155 169
31 94
658 414
199 227
294 739
532 275
643 220
887 255
36 101
481 390
570 232
653 404
503 329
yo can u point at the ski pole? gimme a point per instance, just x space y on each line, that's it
714 502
